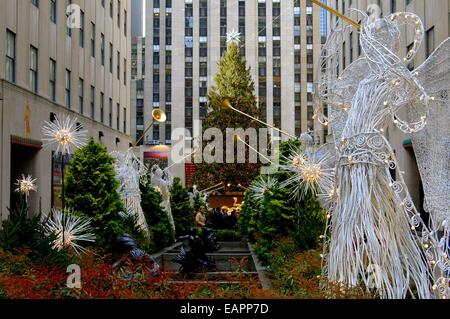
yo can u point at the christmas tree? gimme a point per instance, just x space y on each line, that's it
91 190
234 82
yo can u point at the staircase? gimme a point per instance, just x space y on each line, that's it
234 261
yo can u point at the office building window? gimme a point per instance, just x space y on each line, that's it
92 39
118 65
102 107
241 12
68 89
351 47
429 41
111 9
33 69
53 11
102 49
124 120
118 13
125 27
118 117
10 56
68 28
223 26
110 112
81 95
81 29
92 102
124 71
111 58
393 6
53 79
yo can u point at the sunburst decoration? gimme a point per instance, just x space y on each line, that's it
67 134
310 172
69 230
233 37
25 185
259 187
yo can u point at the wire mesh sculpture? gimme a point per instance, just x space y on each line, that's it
373 223
130 172
162 181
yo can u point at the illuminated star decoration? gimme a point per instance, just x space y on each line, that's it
69 230
25 185
67 134
259 187
310 172
233 37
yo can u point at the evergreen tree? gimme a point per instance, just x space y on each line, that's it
91 190
156 218
181 208
233 81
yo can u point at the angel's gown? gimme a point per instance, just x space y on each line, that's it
371 238
163 185
128 173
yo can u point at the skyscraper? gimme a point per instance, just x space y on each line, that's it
48 70
280 40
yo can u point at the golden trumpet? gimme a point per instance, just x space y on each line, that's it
227 104
159 116
335 12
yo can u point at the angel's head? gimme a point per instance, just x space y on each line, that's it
381 39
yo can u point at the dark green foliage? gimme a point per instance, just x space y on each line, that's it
309 224
91 190
232 81
279 214
157 219
181 208
228 235
23 231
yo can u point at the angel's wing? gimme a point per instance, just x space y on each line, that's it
334 90
432 144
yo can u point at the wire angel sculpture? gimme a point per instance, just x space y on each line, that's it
130 171
373 223
162 181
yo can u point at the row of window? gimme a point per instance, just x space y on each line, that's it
33 81
53 13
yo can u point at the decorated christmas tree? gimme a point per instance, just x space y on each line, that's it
233 82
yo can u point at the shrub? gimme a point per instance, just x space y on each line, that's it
182 210
92 191
22 231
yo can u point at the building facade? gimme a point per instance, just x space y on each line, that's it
48 69
435 15
185 39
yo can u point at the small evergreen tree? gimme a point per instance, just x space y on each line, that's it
182 210
91 190
156 218
233 81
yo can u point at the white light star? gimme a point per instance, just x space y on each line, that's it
233 36
67 134
69 230
26 185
